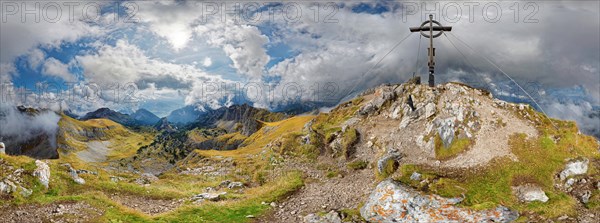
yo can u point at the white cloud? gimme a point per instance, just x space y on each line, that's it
54 67
207 62
126 63
243 44
17 37
7 71
35 58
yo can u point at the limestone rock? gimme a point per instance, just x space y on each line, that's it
394 202
429 110
584 197
42 172
146 178
446 130
415 176
383 94
233 185
529 193
331 217
574 168
7 187
211 196
74 174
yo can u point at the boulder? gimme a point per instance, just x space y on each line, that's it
331 217
42 172
6 187
76 178
584 197
225 183
146 178
211 196
529 193
429 110
2 148
446 130
415 176
234 185
394 202
574 168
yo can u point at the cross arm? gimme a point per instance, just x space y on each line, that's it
435 28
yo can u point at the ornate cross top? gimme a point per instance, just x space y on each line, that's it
429 26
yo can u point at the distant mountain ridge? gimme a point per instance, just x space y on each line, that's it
145 117
140 118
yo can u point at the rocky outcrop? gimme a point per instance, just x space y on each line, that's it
73 173
242 118
530 193
331 217
574 168
42 172
164 125
382 95
394 202
210 196
146 178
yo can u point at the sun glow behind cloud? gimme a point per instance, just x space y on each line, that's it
173 52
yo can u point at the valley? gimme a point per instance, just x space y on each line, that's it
397 152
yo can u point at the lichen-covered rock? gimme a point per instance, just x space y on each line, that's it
574 168
331 217
529 193
394 202
42 172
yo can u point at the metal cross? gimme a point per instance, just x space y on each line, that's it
428 26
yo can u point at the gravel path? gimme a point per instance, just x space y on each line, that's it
56 212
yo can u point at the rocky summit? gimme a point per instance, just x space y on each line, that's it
395 153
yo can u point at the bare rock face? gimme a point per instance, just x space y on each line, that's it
446 130
331 217
574 168
529 193
42 172
394 202
383 94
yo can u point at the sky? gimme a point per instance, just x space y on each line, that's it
127 55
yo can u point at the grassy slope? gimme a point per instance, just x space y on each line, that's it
234 209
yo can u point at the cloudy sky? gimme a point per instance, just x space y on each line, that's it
165 55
